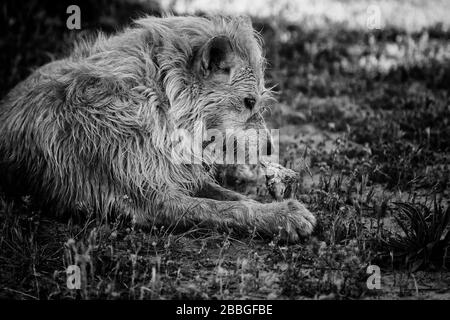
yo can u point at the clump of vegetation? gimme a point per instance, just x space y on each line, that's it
425 239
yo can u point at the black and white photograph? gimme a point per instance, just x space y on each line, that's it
238 152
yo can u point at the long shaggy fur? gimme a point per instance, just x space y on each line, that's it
93 130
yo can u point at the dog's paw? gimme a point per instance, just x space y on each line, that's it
296 222
289 219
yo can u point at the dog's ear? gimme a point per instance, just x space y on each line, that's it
216 55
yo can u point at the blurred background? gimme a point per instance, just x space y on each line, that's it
332 35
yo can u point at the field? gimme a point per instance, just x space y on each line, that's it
364 116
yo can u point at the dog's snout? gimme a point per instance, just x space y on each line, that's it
249 102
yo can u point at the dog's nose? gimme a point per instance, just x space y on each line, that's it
249 102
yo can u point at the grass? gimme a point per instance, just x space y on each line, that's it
364 116
424 238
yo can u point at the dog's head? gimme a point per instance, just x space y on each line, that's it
213 72
229 67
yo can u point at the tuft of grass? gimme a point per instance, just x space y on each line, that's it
426 237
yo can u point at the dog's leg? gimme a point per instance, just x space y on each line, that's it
288 218
217 192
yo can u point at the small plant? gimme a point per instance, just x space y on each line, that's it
426 236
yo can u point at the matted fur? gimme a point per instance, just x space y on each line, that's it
93 131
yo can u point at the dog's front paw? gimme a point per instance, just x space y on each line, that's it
288 218
296 221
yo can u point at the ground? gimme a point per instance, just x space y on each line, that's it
364 116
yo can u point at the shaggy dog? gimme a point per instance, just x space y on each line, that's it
94 131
